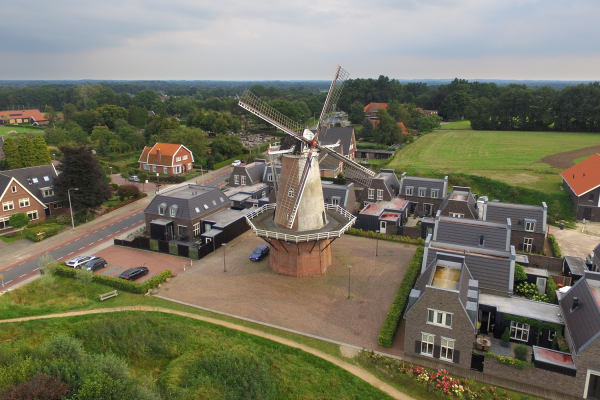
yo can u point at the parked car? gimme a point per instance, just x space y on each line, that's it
259 253
134 273
77 262
236 163
95 264
134 178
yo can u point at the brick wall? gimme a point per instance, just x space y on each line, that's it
517 240
550 263
411 231
21 193
422 200
460 207
300 259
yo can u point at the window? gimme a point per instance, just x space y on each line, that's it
457 215
422 192
182 230
519 331
190 166
409 191
206 206
592 385
440 318
371 194
197 229
270 177
481 240
8 205
207 227
551 335
379 194
236 179
435 193
427 344
177 159
185 157
154 168
14 189
173 211
335 201
32 215
291 193
24 202
4 223
161 208
447 350
56 205
35 180
166 170
220 198
47 179
197 209
214 203
146 167
243 180
48 192
264 193
529 226
527 244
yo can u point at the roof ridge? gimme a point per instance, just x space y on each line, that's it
35 166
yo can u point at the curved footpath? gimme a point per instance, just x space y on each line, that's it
353 369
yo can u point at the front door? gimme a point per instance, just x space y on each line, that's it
484 318
382 226
428 209
587 213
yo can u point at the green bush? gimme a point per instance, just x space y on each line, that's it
173 249
521 352
520 274
511 362
193 253
554 246
551 288
383 236
390 325
18 220
154 244
505 336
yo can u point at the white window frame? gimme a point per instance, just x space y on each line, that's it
269 177
379 194
8 205
48 192
551 335
529 226
57 205
236 179
185 157
32 214
177 159
179 228
527 244
435 193
147 167
161 209
518 330
154 168
14 189
439 318
409 191
335 201
587 381
4 221
196 227
447 347
166 170
427 344
371 194
422 192
173 212
243 180
457 215
24 202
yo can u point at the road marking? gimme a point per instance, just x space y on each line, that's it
86 235
76 239
82 248
22 275
70 253
6 283
21 263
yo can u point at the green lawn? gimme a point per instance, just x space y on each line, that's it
456 126
32 229
504 156
21 130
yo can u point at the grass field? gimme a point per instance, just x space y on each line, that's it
20 129
457 126
504 156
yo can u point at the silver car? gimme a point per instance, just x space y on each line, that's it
78 262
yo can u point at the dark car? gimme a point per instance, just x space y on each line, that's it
259 253
133 273
95 264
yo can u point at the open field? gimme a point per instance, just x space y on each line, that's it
510 157
21 129
456 126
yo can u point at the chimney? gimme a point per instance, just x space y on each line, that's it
575 303
157 155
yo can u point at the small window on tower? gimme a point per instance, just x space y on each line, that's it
291 193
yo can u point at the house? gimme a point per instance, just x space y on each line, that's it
371 109
596 259
34 117
441 316
384 187
340 195
373 154
574 267
582 181
249 174
179 211
529 227
460 203
384 216
30 191
251 196
424 194
345 136
166 158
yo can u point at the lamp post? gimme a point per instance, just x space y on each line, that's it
349 268
376 243
224 266
71 207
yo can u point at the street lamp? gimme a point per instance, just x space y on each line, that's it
377 243
224 266
70 207
349 268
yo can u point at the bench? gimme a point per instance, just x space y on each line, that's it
108 295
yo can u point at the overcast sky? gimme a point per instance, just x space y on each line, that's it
272 39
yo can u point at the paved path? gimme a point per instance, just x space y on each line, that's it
353 369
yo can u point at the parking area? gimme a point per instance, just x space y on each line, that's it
315 305
573 242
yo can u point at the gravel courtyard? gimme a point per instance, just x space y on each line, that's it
317 305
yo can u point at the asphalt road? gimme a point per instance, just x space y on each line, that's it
30 266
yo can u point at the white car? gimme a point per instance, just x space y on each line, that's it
78 262
236 163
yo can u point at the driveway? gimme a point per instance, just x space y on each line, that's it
573 242
315 305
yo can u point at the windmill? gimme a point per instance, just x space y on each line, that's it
300 214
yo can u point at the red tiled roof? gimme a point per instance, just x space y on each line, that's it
584 176
35 114
167 151
373 107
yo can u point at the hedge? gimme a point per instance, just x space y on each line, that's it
227 162
117 283
154 244
551 288
511 362
173 249
554 246
390 325
383 236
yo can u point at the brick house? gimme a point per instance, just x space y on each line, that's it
582 181
344 137
424 194
250 174
166 158
371 109
384 187
384 216
459 203
341 195
34 117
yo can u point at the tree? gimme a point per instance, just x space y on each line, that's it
356 113
80 169
39 387
519 274
103 150
192 138
110 114
5 119
126 192
146 99
40 151
429 123
11 154
18 220
51 115
387 130
85 277
26 153
137 116
87 119
227 146
367 128
69 112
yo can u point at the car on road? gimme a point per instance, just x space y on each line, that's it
236 163
134 178
77 262
95 264
132 274
259 253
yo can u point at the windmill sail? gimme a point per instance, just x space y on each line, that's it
335 90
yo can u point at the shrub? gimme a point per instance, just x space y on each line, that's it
126 192
154 244
173 249
551 288
115 186
193 253
226 162
505 336
390 325
520 274
39 387
521 352
554 246
63 219
18 220
511 362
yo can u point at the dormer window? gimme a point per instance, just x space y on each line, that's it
161 208
529 225
270 177
422 192
174 210
409 191
434 193
243 180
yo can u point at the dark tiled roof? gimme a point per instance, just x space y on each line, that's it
498 212
335 133
188 198
467 232
35 178
333 190
390 180
256 170
418 182
584 321
461 195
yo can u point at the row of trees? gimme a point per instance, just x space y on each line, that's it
26 152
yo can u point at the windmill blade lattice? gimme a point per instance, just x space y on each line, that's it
335 90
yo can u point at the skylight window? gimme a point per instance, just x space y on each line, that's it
47 179
214 203
206 206
197 209
35 180
220 198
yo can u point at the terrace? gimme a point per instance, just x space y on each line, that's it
446 277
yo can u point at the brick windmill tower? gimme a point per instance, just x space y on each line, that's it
300 227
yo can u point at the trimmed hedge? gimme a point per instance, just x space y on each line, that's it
117 283
511 362
154 244
227 162
554 246
173 249
383 236
551 288
390 325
